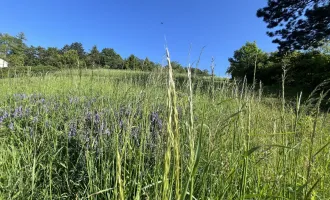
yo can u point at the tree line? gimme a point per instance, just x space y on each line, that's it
14 50
301 28
305 69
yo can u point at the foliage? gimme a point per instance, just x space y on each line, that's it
179 69
74 56
244 60
94 57
77 46
110 58
16 60
12 48
304 69
301 24
148 65
71 58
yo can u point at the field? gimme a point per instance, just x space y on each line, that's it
106 134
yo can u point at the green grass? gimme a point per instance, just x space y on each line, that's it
107 134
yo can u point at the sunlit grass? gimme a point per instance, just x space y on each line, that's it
104 134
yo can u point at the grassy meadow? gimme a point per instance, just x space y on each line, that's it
107 134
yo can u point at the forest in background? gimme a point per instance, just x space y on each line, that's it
302 69
14 50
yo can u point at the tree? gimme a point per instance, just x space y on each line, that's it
65 49
13 48
245 60
132 63
308 69
19 45
299 24
111 59
6 43
77 46
177 67
148 65
16 60
94 57
53 57
70 58
31 56
325 48
199 72
41 55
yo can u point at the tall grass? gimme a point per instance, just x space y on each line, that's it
106 134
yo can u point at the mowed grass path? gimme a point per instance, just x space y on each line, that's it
104 134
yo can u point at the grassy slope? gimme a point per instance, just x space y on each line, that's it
102 135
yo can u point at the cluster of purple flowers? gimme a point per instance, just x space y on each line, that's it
4 115
8 116
30 111
156 124
72 127
20 96
72 130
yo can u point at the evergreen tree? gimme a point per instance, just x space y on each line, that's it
298 24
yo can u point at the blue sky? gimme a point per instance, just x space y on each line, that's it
134 27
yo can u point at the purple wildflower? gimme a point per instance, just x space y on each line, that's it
97 118
11 126
72 130
102 125
3 117
89 116
155 120
156 125
27 111
135 135
35 120
73 100
47 124
31 131
121 124
20 96
18 112
107 132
